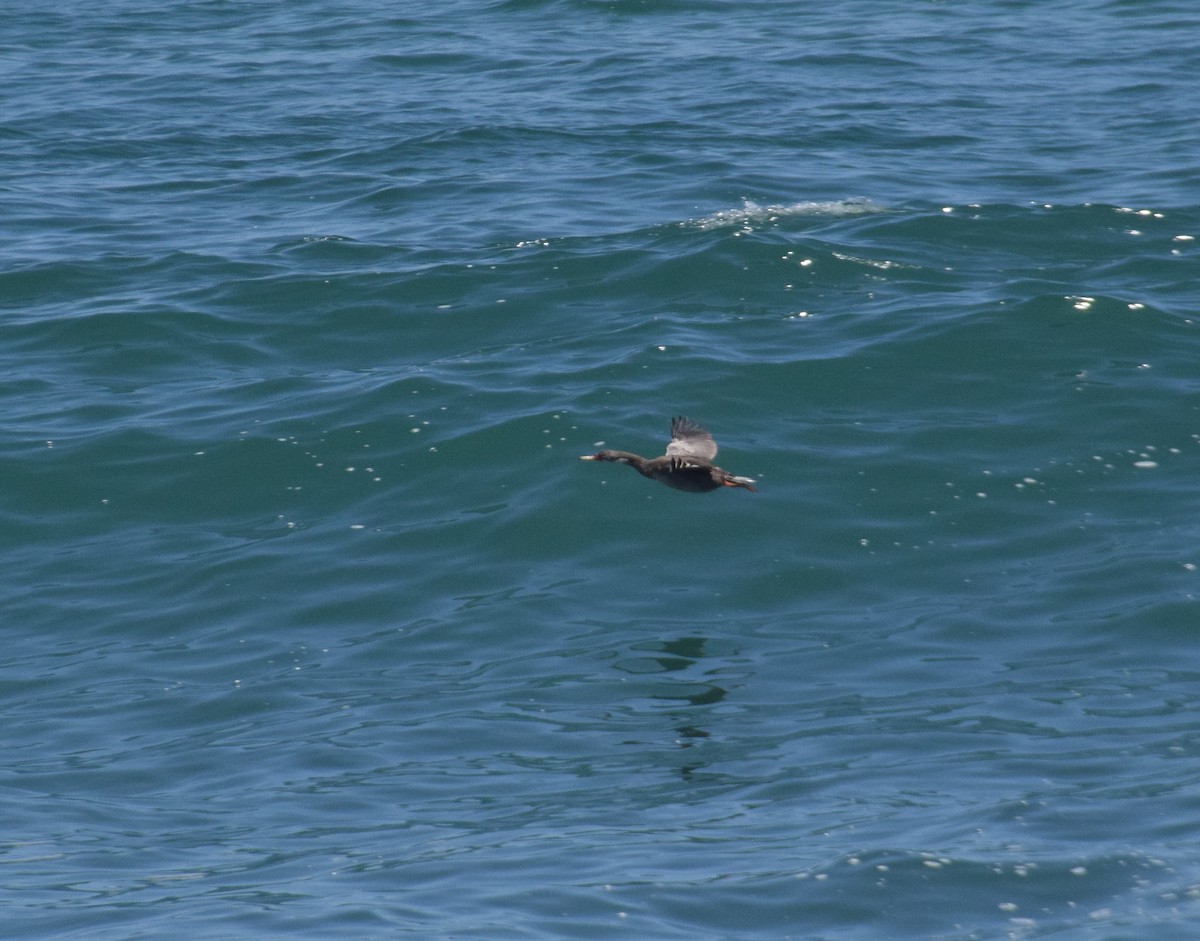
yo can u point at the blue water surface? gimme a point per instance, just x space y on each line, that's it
316 628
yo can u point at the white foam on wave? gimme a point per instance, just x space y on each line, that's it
751 213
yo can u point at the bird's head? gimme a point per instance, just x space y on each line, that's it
602 456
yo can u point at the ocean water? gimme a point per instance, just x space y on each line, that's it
314 626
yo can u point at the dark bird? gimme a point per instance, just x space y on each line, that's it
687 465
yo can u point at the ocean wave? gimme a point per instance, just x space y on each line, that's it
751 213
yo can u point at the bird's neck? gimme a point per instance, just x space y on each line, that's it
635 461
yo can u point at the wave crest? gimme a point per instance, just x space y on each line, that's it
751 213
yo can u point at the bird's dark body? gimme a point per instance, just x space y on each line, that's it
694 476
687 465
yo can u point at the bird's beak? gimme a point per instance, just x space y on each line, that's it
587 457
740 482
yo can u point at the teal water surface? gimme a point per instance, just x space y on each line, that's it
315 626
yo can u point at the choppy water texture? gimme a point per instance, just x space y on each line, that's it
316 628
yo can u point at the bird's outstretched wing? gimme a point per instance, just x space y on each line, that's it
690 440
